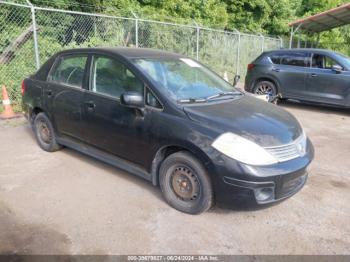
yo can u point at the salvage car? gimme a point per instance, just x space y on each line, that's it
170 120
308 75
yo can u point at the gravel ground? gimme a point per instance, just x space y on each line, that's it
68 203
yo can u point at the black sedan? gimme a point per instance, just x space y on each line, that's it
308 75
169 119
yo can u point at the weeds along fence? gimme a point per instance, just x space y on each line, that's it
30 35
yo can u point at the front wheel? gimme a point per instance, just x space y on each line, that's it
185 183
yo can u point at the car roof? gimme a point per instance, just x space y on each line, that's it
310 50
126 52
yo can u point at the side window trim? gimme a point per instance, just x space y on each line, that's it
57 62
148 89
310 59
53 67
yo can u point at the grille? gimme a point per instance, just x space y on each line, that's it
292 186
289 151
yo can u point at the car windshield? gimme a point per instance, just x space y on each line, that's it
185 80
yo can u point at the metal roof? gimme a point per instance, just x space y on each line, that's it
324 21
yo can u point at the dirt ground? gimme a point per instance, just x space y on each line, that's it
68 203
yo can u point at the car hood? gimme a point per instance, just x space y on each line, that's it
261 122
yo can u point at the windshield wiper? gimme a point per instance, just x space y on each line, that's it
192 100
231 93
206 99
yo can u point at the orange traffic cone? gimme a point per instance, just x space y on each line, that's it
8 112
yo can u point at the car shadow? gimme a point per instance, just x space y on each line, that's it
325 109
242 207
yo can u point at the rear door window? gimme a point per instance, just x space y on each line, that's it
301 59
69 70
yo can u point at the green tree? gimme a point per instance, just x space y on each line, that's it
267 16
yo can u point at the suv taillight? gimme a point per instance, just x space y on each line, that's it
23 88
250 67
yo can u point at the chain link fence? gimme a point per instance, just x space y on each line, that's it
30 35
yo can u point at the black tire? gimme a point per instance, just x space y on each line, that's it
44 133
264 87
183 172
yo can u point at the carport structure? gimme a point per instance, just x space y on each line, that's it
320 22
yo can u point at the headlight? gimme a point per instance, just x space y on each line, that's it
243 150
301 144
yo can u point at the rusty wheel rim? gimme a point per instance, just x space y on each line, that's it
44 132
185 183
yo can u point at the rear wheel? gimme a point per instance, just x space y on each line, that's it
185 183
44 133
265 88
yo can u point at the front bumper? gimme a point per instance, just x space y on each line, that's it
239 184
269 192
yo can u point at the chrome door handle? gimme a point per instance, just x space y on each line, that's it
90 106
276 69
313 75
48 93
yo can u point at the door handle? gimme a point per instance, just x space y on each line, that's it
90 106
48 93
276 69
313 75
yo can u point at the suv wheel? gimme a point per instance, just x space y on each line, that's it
265 88
44 133
185 183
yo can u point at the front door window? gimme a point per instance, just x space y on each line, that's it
112 78
322 61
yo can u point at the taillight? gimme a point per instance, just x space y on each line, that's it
250 67
23 88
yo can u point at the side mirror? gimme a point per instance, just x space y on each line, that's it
337 68
132 99
236 79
